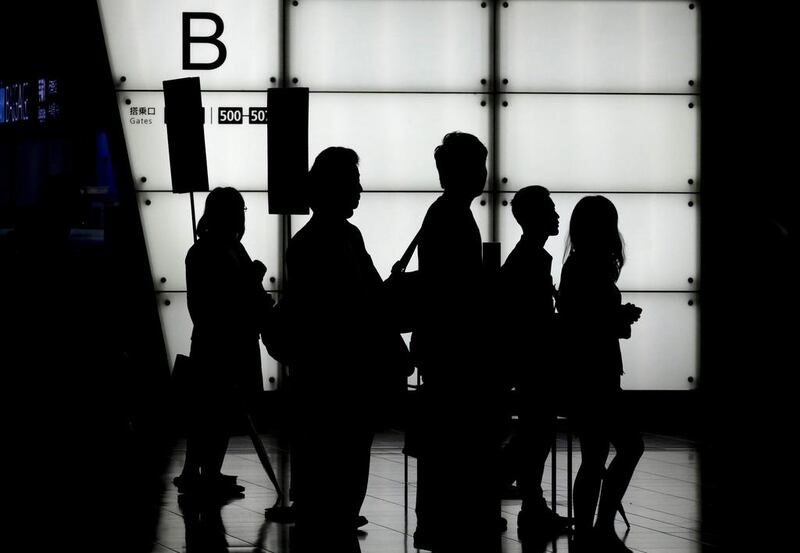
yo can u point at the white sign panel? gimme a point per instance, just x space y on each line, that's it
391 45
229 44
590 46
595 97
662 352
578 142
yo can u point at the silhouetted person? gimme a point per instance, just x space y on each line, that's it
341 345
225 298
457 504
528 314
594 319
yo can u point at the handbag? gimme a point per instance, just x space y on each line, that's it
404 293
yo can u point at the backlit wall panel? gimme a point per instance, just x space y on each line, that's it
659 230
599 46
146 43
581 96
175 321
394 134
599 142
236 151
602 97
167 224
390 45
662 352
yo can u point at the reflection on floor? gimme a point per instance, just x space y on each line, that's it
662 503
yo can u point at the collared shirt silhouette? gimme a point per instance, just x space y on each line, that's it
450 261
530 337
527 294
454 410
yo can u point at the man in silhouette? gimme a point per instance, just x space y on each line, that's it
332 288
528 315
457 509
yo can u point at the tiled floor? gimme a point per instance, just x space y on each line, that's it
662 503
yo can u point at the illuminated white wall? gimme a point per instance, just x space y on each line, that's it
591 97
602 97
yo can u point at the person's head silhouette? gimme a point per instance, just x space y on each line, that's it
535 211
593 233
334 183
461 162
223 217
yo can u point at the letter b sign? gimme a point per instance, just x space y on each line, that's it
188 40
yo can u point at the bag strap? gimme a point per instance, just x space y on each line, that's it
402 263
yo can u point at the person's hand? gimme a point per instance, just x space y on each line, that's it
631 312
259 270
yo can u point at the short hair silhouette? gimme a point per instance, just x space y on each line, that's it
593 231
528 201
329 175
223 212
454 155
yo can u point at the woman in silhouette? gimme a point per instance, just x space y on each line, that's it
594 319
225 297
